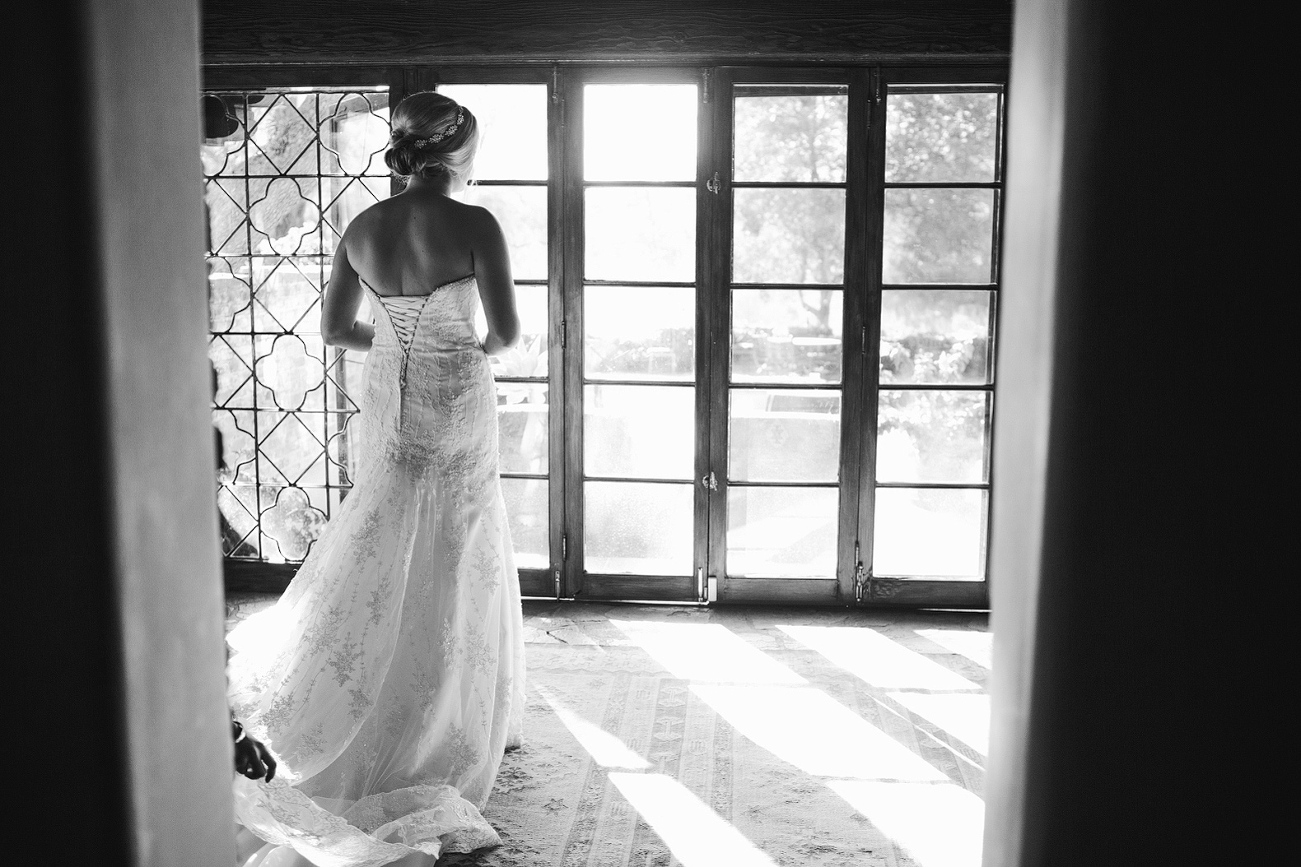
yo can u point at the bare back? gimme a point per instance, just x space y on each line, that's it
409 245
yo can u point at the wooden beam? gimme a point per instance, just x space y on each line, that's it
672 31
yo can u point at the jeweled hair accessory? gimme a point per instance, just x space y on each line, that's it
447 133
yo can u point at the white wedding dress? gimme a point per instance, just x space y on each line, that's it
389 678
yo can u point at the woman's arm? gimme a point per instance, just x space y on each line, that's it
339 325
496 285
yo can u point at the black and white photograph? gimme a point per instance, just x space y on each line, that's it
523 433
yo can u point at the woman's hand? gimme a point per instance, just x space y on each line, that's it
254 760
494 345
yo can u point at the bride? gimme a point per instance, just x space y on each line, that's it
389 677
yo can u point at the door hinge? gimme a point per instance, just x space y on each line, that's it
862 342
564 546
556 99
714 184
564 333
709 482
860 576
705 75
874 96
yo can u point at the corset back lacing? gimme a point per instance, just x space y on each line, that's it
404 314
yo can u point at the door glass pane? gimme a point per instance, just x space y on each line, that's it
787 335
641 233
933 533
938 137
784 435
529 357
640 431
932 436
638 528
522 427
935 336
526 508
639 132
790 133
781 532
522 213
639 335
788 235
639 332
512 128
938 236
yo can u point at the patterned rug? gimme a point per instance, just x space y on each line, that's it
657 736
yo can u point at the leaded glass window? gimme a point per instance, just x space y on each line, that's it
296 165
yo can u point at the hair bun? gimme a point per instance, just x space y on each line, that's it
431 135
405 159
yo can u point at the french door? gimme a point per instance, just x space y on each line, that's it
758 310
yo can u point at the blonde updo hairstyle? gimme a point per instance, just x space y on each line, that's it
422 116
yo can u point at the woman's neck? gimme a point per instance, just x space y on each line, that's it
440 183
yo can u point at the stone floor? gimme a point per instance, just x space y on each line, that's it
555 622
786 736
547 621
564 622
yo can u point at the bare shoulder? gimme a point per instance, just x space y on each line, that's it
479 221
364 223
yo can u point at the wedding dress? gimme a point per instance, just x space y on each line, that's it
389 678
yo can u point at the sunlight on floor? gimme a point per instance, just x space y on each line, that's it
938 825
935 821
706 652
876 659
976 646
604 748
695 833
780 719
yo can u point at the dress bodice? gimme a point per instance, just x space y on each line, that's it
429 400
443 319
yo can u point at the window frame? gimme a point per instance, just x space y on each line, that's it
868 86
807 590
919 591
